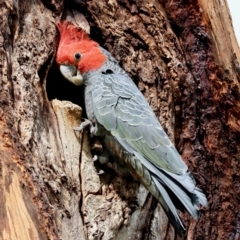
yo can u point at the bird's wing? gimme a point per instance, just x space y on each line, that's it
122 109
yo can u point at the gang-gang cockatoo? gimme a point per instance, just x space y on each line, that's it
119 114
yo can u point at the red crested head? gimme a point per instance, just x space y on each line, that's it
77 49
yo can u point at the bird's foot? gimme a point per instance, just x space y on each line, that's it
103 158
96 158
84 125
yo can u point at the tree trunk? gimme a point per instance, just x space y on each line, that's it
183 56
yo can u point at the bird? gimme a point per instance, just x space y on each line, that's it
119 114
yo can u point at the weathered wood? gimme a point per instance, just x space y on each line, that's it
68 187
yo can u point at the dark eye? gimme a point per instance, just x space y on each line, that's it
108 71
77 56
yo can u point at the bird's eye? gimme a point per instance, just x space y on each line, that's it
77 56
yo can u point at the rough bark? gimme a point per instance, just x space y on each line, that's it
182 55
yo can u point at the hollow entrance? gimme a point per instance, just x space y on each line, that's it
58 87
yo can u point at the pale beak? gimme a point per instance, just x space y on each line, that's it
72 74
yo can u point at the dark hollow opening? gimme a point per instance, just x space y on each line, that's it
59 88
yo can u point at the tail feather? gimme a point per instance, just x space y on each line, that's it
196 194
190 200
201 197
182 187
173 191
170 209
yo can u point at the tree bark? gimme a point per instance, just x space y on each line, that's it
183 56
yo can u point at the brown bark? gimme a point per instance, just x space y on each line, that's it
182 55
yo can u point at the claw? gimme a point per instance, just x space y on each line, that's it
83 125
102 158
100 172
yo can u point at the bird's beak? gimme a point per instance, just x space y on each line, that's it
72 74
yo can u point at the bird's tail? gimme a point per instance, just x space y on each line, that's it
171 190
